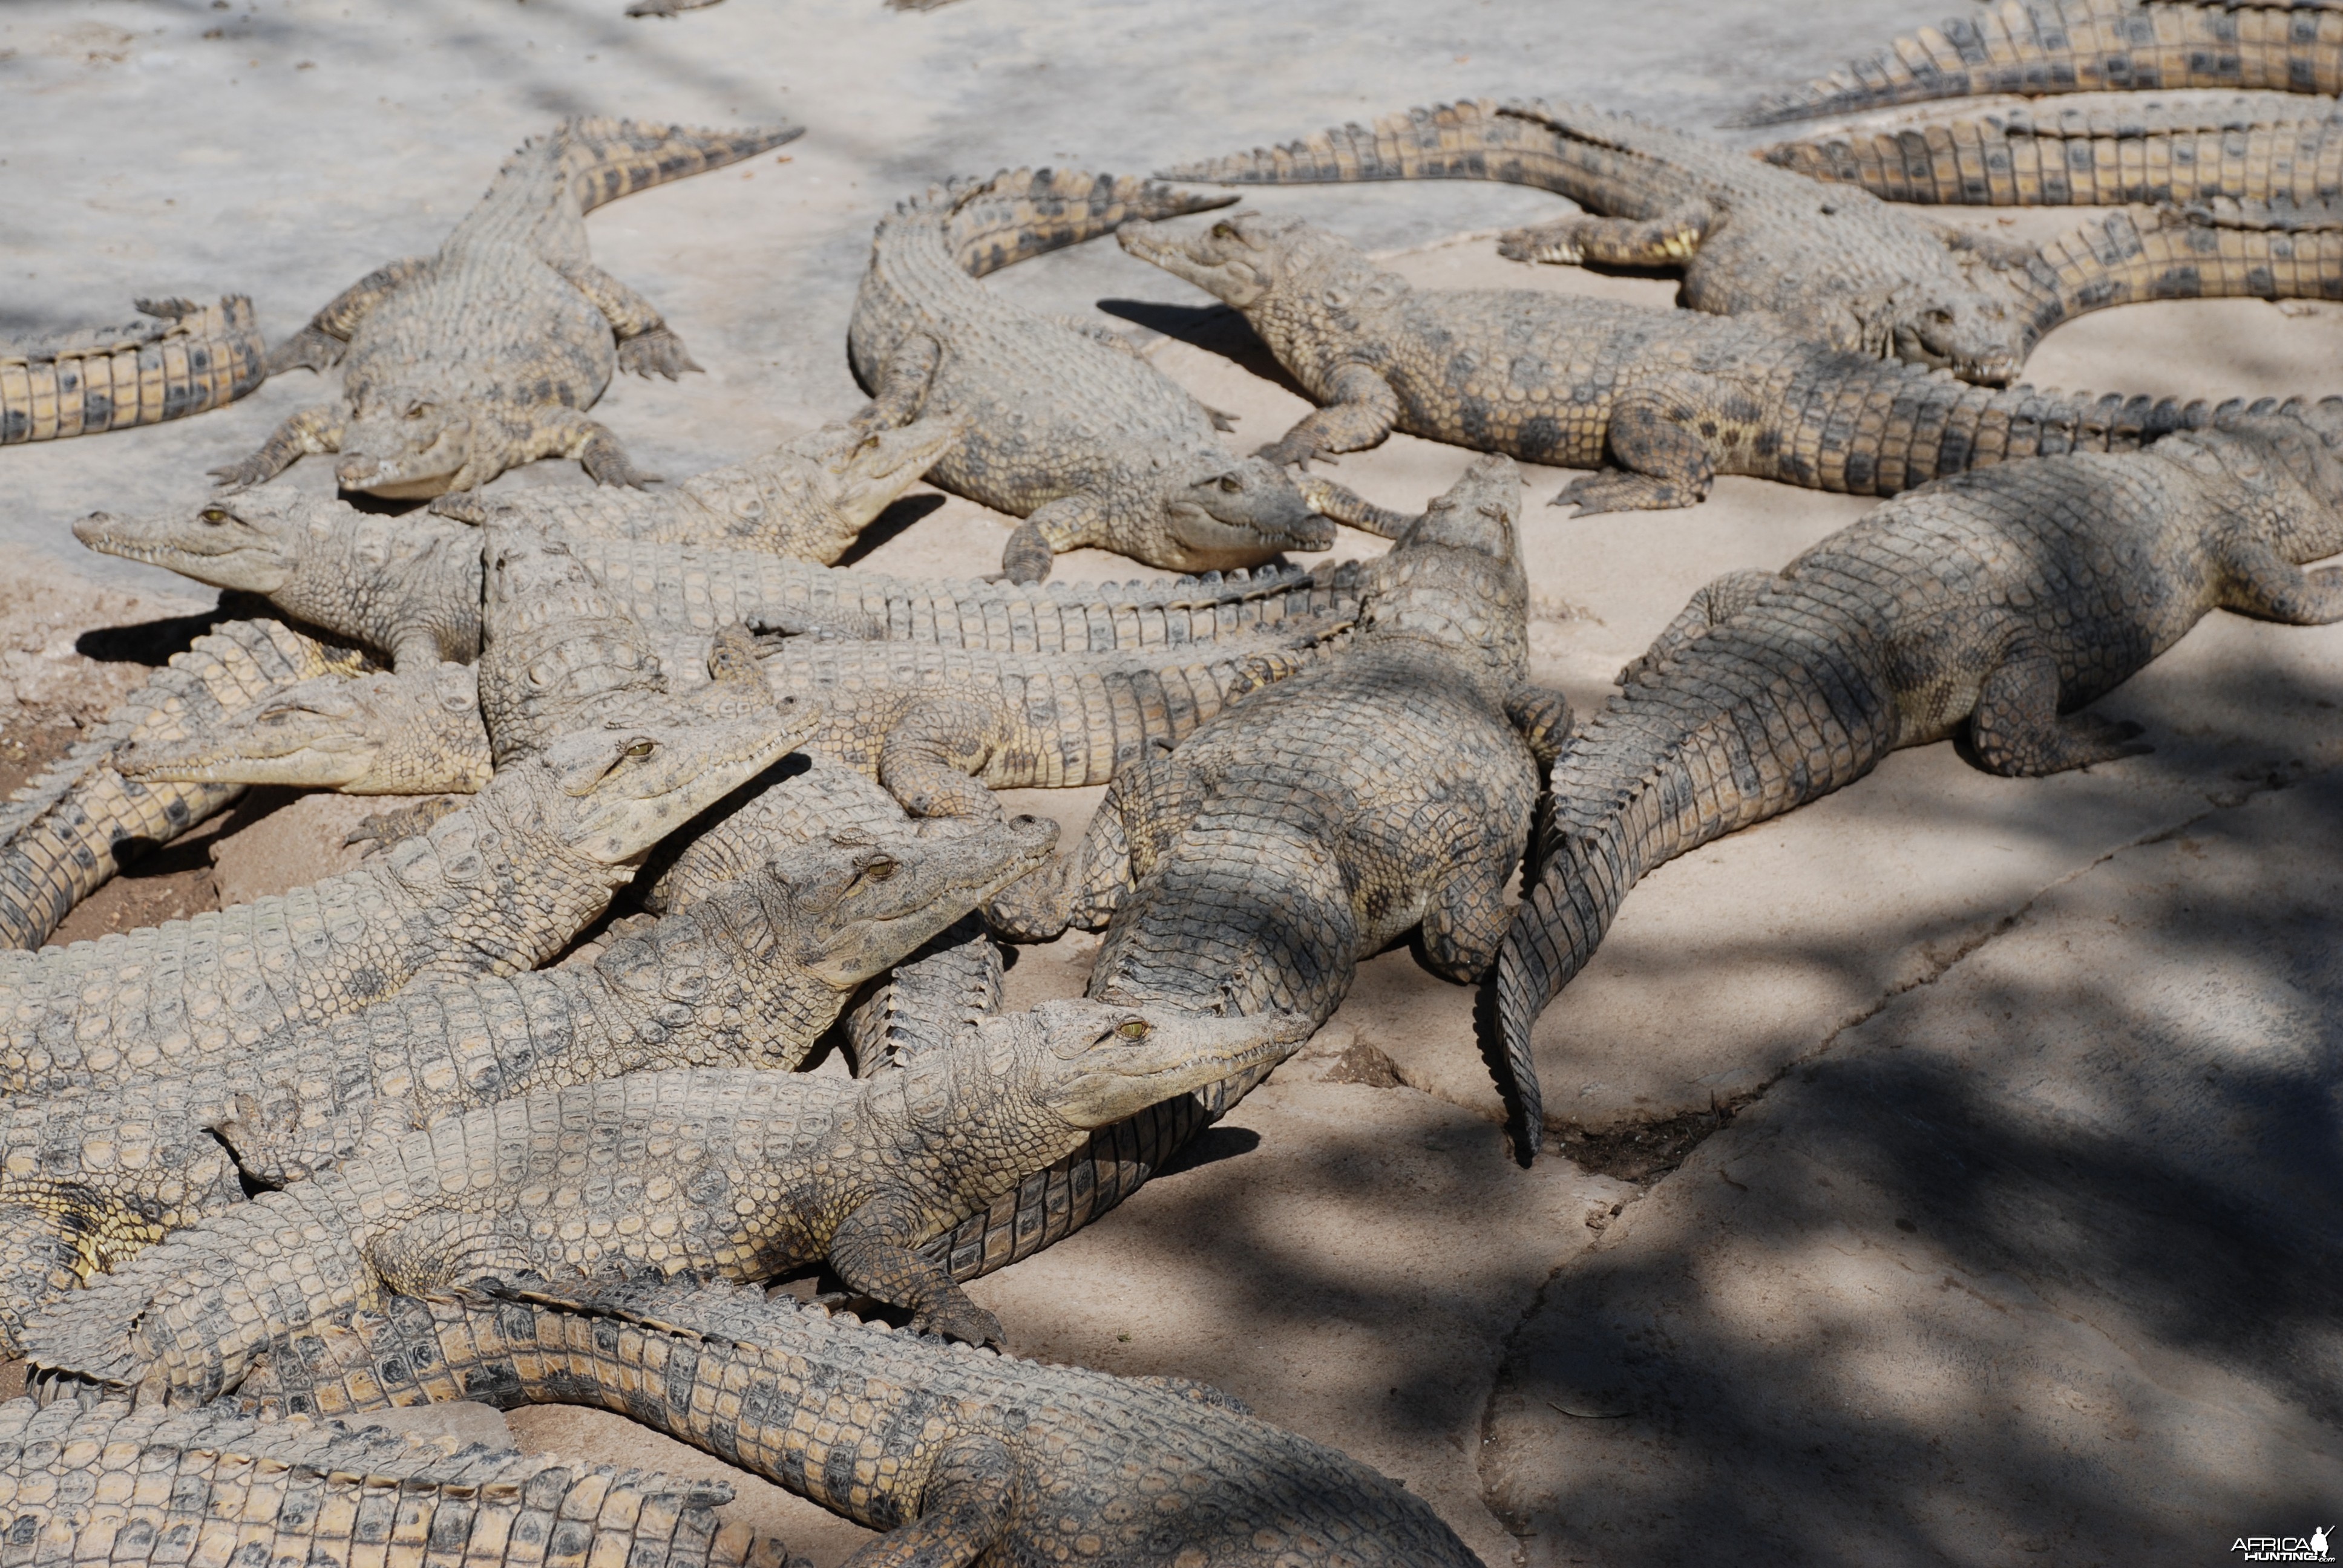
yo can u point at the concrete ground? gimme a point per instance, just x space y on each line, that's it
1946 1172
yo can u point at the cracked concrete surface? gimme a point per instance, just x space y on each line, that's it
2075 1034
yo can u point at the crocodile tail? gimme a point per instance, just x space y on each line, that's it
205 357
607 158
1471 140
2032 47
1777 706
1020 214
2219 250
61 833
186 1319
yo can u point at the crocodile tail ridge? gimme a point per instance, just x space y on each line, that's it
1019 213
605 159
1445 141
2215 250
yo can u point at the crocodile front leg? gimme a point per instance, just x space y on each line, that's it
1361 411
930 757
902 386
1666 240
312 432
965 1510
565 433
1068 523
871 1252
646 346
319 345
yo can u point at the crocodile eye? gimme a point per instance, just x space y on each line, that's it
642 749
1232 483
213 515
1224 231
1132 1029
879 869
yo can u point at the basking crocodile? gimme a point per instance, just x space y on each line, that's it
498 886
485 356
1997 602
1661 400
746 1174
2035 48
62 832
749 976
2104 150
152 1488
371 734
1066 425
960 1455
810 498
187 358
1815 261
410 586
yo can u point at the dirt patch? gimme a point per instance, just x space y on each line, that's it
1645 1152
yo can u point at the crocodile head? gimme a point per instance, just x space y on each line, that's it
858 475
1241 259
249 541
1090 1064
414 733
1970 331
622 786
406 443
858 904
1238 512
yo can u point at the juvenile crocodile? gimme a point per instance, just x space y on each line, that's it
371 734
498 886
2035 48
1822 262
1997 602
1661 400
63 832
963 1455
2107 149
810 498
485 356
745 1174
1065 423
749 976
189 357
410 586
149 1487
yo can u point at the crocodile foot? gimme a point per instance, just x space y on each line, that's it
384 829
1618 490
657 352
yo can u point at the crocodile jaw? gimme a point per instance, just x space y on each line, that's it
628 801
213 545
940 876
1101 1071
1215 263
866 477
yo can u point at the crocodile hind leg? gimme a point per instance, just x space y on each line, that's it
1662 461
2263 584
1710 607
313 432
2017 731
1666 240
53 1237
646 346
319 346
970 1498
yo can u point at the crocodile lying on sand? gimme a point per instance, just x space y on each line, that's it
986 1456
152 1488
810 498
2275 149
1817 262
2033 48
1661 400
745 1174
410 586
1997 602
498 886
187 358
749 976
62 832
1065 423
485 356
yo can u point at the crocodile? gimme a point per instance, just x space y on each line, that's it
410 586
1993 604
2104 150
1816 261
2038 48
749 976
66 830
746 1174
374 733
1661 400
187 358
960 1455
1066 425
150 1488
486 354
810 498
498 886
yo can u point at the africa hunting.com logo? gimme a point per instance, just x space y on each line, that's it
2311 1548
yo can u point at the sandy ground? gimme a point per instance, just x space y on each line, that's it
1946 1173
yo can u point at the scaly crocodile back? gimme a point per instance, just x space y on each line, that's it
2032 47
59 833
2110 151
190 359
